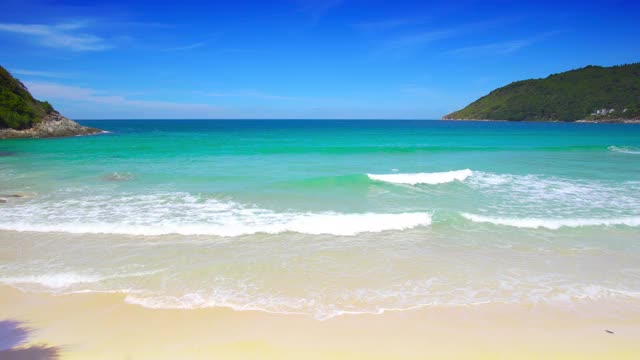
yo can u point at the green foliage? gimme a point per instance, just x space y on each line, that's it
18 109
568 96
46 106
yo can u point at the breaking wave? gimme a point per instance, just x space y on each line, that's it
423 178
625 149
185 214
65 280
553 224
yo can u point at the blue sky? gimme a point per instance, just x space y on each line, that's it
300 58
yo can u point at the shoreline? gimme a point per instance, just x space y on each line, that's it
103 326
606 121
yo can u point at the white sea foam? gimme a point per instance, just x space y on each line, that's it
66 279
553 224
378 301
423 178
625 149
539 196
408 296
273 305
52 281
179 213
181 291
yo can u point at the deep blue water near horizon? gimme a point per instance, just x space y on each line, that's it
323 217
221 124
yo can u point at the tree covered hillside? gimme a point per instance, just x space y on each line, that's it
18 109
593 92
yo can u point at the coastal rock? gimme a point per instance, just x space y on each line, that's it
23 116
4 197
52 125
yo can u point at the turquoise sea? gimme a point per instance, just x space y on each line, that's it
326 217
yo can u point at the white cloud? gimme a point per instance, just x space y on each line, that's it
500 48
506 47
408 42
317 9
115 103
419 39
186 47
86 103
38 73
250 94
62 36
389 24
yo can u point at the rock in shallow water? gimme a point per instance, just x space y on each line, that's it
116 176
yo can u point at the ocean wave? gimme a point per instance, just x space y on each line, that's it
625 149
185 214
378 301
52 281
65 279
552 224
179 290
540 196
322 305
433 178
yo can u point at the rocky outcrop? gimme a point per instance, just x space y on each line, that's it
23 116
52 125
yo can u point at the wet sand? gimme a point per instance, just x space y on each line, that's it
103 326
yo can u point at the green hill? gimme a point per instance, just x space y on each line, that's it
568 96
18 109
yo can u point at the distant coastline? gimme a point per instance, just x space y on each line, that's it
590 94
594 121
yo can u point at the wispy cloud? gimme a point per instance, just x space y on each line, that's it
187 47
317 9
135 24
81 102
505 47
55 91
406 43
63 36
419 39
416 40
388 24
48 74
500 48
250 94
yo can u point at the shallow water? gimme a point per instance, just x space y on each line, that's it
326 217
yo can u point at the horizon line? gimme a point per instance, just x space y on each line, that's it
266 119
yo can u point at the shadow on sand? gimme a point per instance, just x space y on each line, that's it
13 334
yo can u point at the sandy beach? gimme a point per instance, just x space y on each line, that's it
103 326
